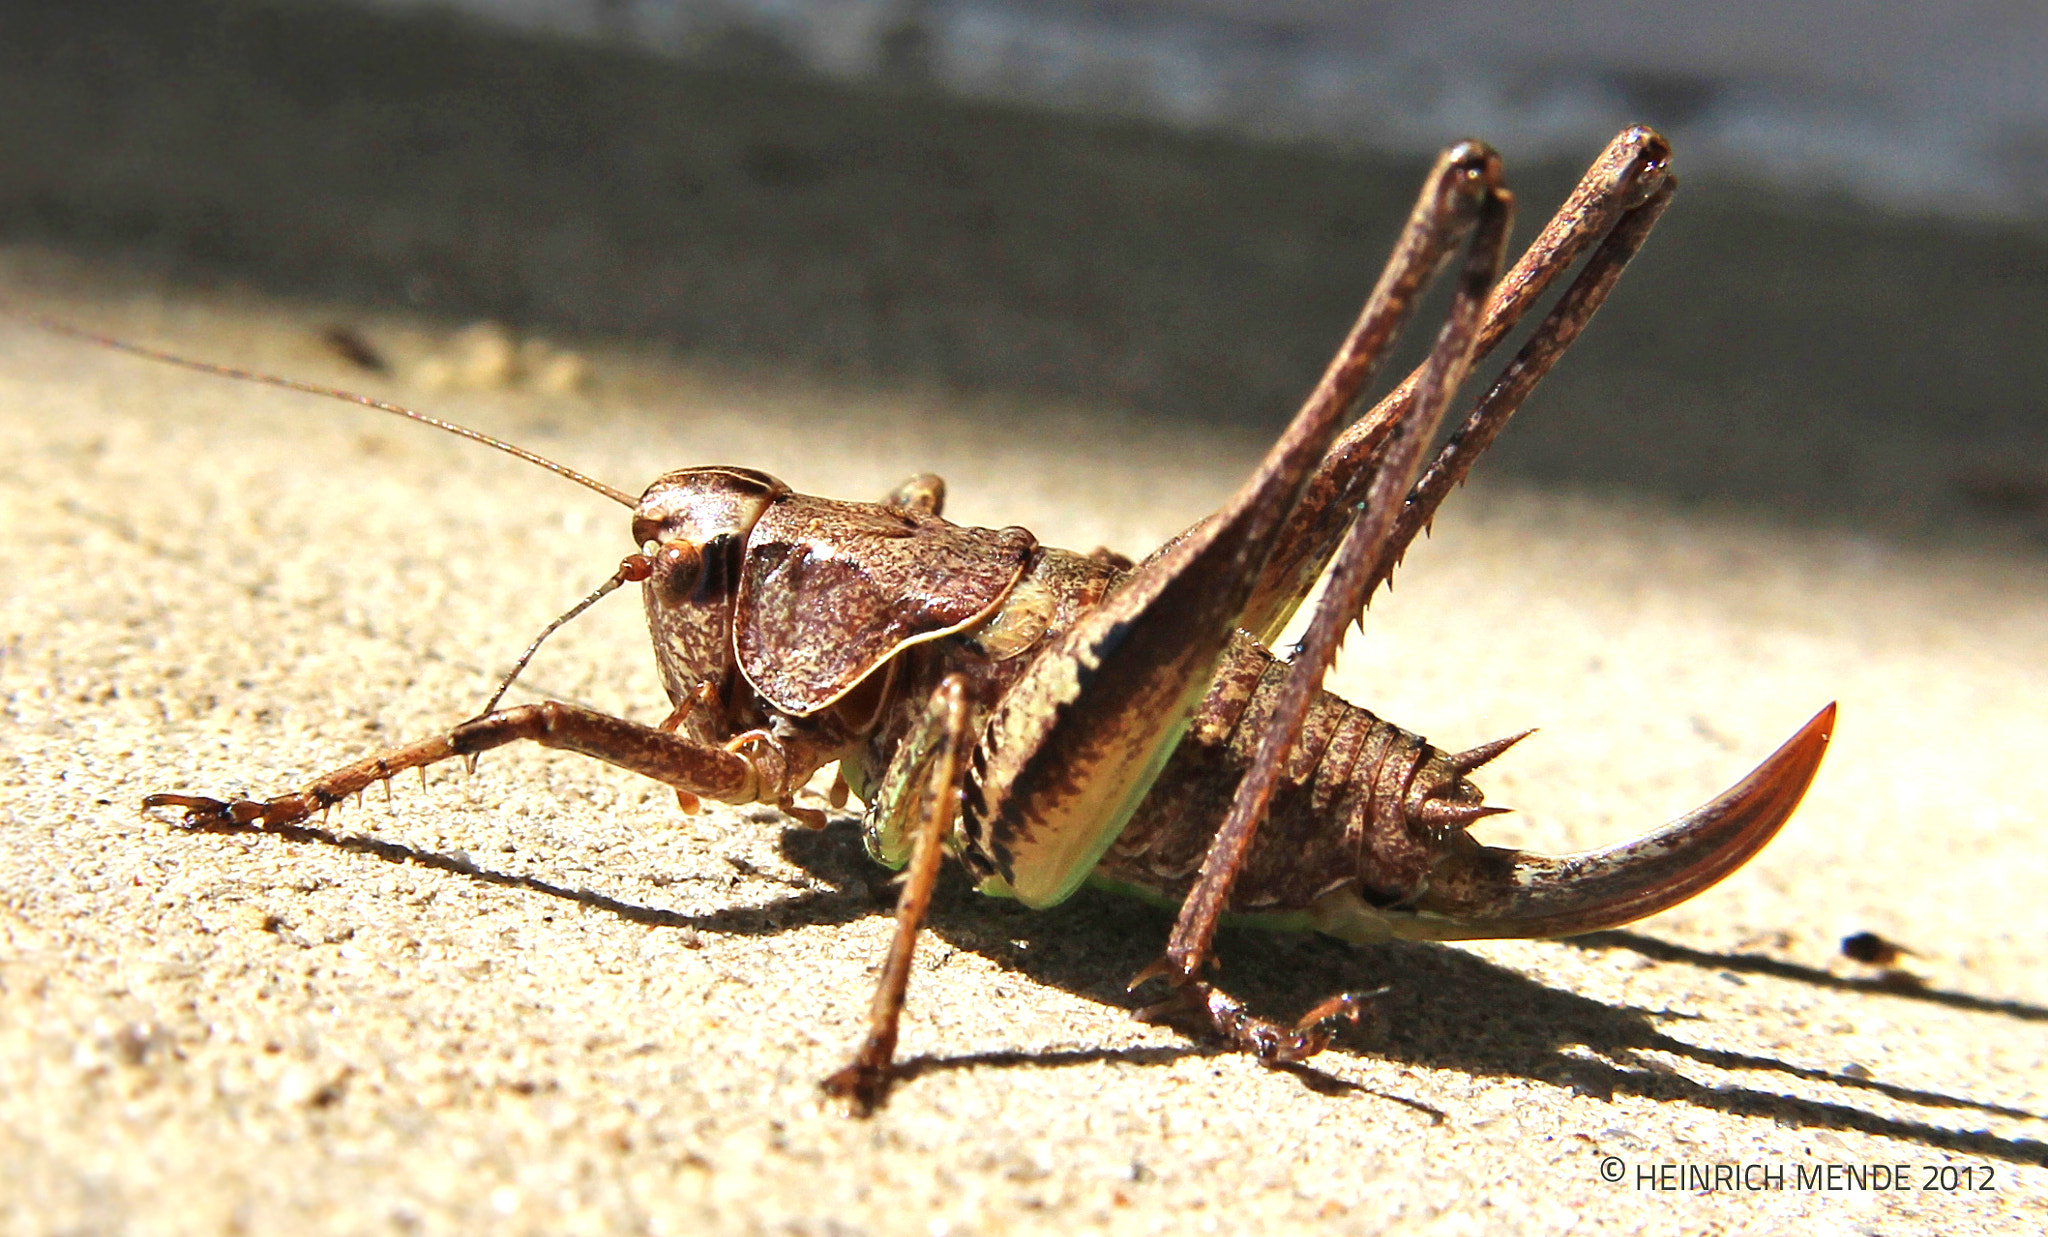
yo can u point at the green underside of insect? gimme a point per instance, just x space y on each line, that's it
1341 916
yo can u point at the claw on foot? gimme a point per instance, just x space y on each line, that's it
203 813
1224 1018
861 1086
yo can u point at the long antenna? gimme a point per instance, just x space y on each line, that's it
634 569
292 384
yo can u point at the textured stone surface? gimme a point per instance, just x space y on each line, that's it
539 1000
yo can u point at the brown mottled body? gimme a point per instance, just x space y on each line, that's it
1053 718
1338 821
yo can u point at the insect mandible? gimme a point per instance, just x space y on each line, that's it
1053 719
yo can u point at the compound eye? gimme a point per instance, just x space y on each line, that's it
678 566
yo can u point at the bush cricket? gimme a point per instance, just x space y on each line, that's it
1053 719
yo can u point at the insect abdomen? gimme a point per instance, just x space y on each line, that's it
1339 818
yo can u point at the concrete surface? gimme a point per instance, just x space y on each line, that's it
1938 106
540 1000
1801 457
1892 369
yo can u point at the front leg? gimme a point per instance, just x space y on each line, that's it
714 772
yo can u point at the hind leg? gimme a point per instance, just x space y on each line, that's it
1611 213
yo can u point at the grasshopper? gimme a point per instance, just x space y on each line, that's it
1054 719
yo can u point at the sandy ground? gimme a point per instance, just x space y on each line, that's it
1801 458
540 1000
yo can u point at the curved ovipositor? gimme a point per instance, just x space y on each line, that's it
1480 892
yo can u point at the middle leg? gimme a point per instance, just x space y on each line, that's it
925 777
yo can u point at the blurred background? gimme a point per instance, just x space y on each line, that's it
1163 208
